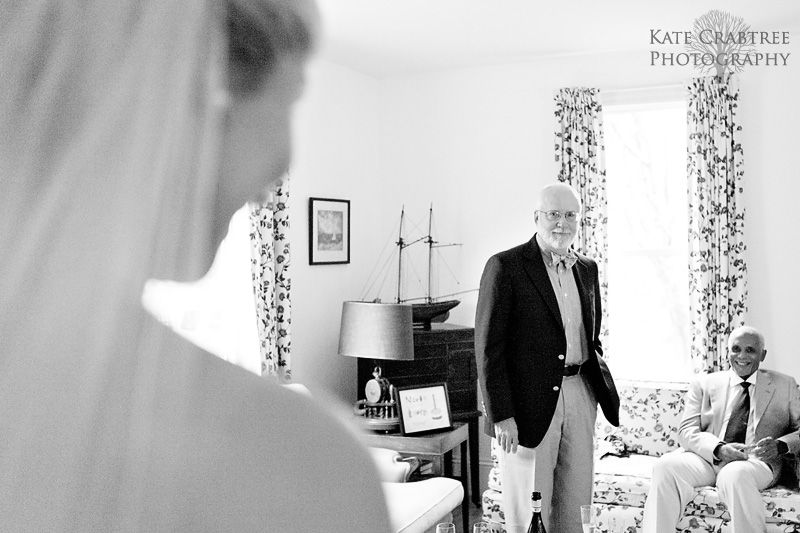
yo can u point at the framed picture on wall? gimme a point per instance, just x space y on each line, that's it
328 231
424 409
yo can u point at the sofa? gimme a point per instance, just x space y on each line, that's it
650 414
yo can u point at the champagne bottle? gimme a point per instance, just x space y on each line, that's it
537 526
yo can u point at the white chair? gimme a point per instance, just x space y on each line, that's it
417 506
414 507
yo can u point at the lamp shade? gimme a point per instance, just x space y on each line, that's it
377 331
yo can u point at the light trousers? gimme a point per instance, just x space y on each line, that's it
675 476
561 467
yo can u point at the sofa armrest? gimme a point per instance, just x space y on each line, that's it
392 467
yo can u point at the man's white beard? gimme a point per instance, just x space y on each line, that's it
558 241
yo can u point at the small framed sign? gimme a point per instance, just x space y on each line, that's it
328 231
424 409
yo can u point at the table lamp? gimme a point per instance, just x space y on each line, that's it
377 331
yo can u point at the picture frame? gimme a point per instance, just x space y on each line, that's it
328 231
424 409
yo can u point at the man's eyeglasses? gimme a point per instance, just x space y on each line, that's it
569 216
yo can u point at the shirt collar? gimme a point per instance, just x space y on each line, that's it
735 380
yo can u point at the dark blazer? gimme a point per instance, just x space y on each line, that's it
519 337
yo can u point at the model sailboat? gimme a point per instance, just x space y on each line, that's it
431 309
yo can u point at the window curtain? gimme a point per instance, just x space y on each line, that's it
717 270
272 282
580 156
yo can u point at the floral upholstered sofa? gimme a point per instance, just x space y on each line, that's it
650 414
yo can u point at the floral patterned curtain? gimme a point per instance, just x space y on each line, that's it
717 270
580 154
272 282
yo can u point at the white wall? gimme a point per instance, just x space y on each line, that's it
337 154
770 114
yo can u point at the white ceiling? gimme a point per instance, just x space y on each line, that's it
397 37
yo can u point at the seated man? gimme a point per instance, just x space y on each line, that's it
728 440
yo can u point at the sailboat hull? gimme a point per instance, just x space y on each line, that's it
425 313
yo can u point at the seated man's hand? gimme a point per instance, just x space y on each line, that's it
732 451
766 449
505 432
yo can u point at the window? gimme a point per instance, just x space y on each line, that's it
217 312
648 302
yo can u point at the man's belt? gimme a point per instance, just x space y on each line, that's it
572 370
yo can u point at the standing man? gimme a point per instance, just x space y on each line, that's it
537 344
737 425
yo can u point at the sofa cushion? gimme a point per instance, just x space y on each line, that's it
781 504
626 481
610 445
493 507
650 414
618 518
623 481
420 505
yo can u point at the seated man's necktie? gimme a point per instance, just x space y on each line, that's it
737 425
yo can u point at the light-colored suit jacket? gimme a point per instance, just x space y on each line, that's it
776 415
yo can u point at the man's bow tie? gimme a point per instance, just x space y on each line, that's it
566 261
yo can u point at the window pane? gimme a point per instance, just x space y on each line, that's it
648 303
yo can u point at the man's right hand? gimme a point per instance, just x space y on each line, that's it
732 452
505 432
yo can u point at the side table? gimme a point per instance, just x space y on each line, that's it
471 418
437 447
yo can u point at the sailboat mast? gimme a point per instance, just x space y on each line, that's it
400 245
430 254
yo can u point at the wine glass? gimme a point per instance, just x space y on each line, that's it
446 527
481 527
587 518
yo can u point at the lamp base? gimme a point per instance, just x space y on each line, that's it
379 411
381 425
377 416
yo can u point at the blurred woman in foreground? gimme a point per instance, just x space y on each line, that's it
130 131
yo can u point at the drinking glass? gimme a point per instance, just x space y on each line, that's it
481 527
446 527
587 518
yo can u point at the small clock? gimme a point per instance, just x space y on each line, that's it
373 391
